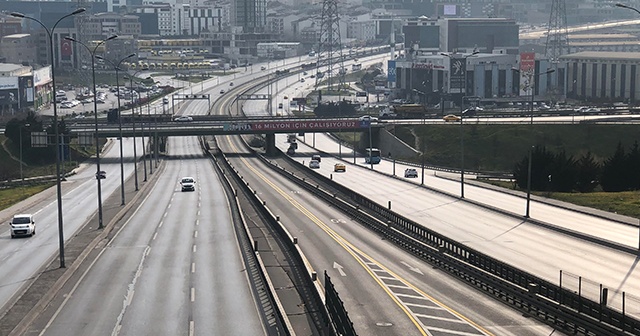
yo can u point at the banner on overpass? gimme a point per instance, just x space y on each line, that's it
297 125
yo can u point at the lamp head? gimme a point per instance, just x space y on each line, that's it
70 39
78 11
18 15
621 5
111 37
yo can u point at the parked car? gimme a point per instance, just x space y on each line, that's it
314 164
451 117
339 167
188 183
183 118
22 225
410 172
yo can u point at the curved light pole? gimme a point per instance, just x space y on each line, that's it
133 118
92 52
116 67
462 96
55 124
627 7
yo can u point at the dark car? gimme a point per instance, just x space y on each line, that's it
101 175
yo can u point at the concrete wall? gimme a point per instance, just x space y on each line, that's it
388 143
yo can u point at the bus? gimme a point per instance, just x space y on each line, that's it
373 156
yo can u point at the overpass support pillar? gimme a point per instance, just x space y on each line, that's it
270 144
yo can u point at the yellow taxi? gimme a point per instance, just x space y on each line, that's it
339 167
451 117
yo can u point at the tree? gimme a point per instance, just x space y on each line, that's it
587 173
633 166
614 170
563 172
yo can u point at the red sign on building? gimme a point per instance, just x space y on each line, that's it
304 125
527 61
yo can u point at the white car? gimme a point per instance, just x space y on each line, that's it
188 183
314 164
410 172
183 118
22 225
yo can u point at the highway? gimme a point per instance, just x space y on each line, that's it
173 268
512 239
387 291
23 259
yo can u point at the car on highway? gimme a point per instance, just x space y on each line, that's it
188 183
339 167
263 68
221 91
101 175
230 83
410 173
451 117
279 105
22 225
183 118
165 100
314 164
316 157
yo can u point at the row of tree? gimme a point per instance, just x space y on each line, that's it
559 172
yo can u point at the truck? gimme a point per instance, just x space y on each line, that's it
409 110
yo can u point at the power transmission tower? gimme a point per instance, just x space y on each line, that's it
330 47
557 34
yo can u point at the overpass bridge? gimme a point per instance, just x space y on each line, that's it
228 126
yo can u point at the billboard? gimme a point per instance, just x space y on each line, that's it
8 83
391 71
42 76
298 125
65 50
527 68
457 70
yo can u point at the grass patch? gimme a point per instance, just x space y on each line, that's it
9 197
624 203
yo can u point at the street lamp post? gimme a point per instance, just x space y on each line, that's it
133 119
116 67
462 96
526 215
21 162
95 112
55 123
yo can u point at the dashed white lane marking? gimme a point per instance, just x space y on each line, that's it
155 235
195 234
161 222
197 222
194 248
192 328
193 267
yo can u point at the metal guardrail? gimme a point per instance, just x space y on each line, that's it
555 305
